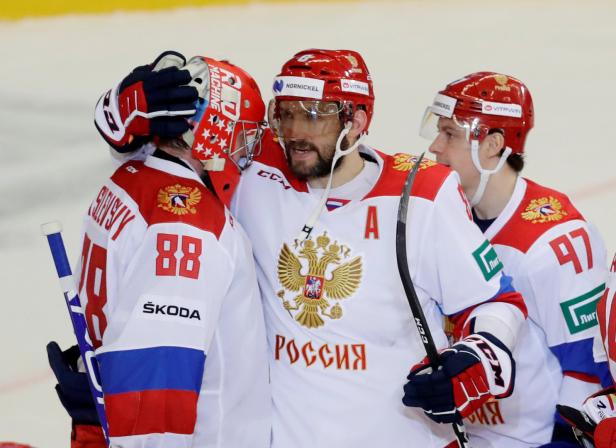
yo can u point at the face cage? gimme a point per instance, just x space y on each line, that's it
344 110
251 134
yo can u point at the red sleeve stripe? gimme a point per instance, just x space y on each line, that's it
602 314
582 377
150 412
463 327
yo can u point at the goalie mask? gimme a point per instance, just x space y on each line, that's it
229 123
481 103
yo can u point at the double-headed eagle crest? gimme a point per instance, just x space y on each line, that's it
501 83
406 162
179 199
322 277
544 210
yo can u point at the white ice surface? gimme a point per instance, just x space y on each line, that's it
53 70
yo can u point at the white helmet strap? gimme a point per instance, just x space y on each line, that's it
314 216
484 175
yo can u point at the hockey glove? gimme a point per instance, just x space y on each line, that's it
469 373
600 409
153 100
72 388
582 426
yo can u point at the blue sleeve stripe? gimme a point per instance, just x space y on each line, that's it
577 357
153 368
604 374
506 286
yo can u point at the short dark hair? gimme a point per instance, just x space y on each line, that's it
515 161
172 142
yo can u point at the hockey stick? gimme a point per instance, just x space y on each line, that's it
581 424
52 230
418 316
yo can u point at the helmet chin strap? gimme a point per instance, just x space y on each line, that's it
484 175
314 216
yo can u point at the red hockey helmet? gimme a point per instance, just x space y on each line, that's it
481 102
230 114
317 75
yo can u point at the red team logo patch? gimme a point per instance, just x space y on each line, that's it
178 199
544 210
406 162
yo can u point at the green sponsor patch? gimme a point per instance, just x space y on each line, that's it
581 313
488 261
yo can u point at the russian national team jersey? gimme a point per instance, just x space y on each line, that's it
172 306
606 313
557 261
338 322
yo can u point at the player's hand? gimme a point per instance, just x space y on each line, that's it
469 373
72 388
153 100
601 409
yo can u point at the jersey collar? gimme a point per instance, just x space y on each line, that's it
503 218
162 161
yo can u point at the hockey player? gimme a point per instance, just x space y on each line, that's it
601 407
166 275
478 126
320 208
336 315
607 319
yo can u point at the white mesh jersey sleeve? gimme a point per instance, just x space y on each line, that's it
463 269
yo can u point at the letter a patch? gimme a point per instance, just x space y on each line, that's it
372 224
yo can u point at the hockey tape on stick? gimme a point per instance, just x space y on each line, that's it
417 315
53 232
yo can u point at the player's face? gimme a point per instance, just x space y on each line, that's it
452 148
245 140
310 130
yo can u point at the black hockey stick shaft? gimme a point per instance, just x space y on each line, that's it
401 256
418 316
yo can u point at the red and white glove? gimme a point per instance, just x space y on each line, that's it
601 409
596 422
153 100
472 371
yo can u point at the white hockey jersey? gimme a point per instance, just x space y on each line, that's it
557 261
172 305
606 314
338 322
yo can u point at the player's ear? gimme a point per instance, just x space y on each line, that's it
271 112
494 143
359 122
